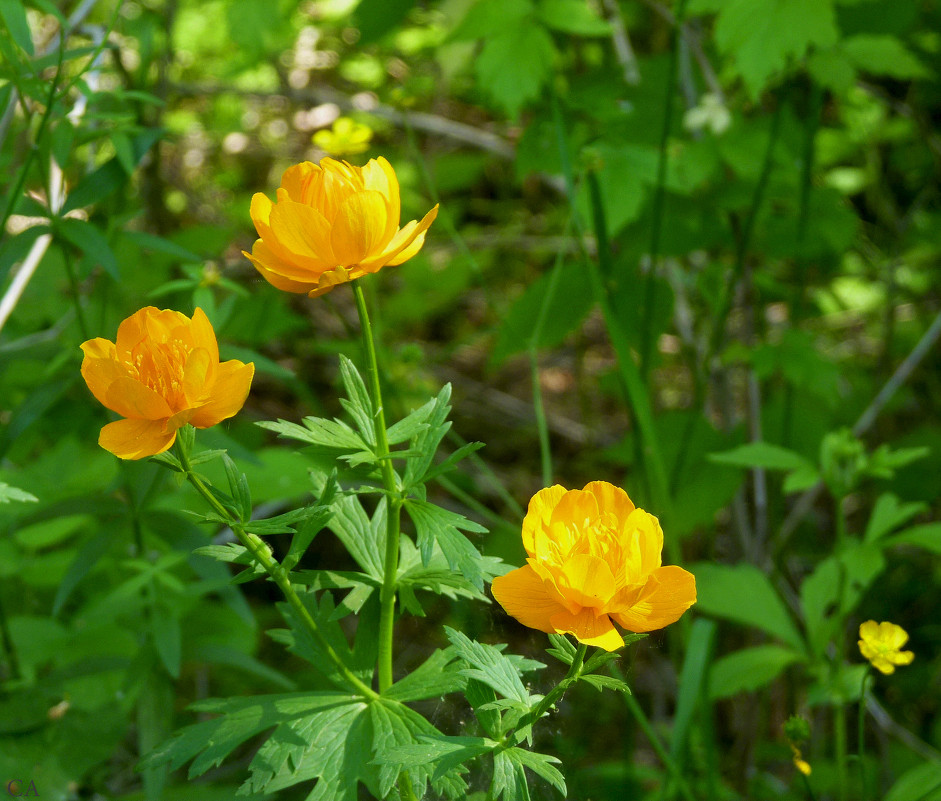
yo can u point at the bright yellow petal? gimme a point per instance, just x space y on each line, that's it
302 235
642 538
203 335
611 499
524 596
576 508
869 630
300 180
669 592
227 394
585 580
538 514
196 375
589 629
135 439
273 269
405 244
379 175
359 227
98 348
132 399
100 372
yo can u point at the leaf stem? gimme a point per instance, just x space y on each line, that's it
861 736
261 554
390 564
9 649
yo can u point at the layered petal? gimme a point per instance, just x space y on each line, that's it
523 594
668 593
130 398
227 395
276 272
359 227
136 439
539 513
588 628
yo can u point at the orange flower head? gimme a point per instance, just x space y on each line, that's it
332 223
881 644
162 372
593 558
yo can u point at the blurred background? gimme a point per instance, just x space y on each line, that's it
667 231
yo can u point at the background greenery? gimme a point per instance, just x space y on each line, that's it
667 231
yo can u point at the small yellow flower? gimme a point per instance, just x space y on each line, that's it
332 223
162 372
346 138
880 644
799 762
593 558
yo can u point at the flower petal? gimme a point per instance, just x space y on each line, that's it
611 499
130 398
669 592
589 629
135 439
359 227
586 580
524 596
273 270
301 235
227 394
538 514
379 175
100 372
196 375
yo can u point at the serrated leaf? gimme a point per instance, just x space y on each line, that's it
489 666
315 517
514 64
450 463
435 677
927 536
359 405
427 441
238 487
542 765
411 425
509 778
562 649
363 538
319 431
435 525
606 683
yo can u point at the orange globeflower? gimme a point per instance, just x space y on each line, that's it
162 372
332 223
593 558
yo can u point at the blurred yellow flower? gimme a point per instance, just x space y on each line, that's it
162 372
593 558
799 762
880 644
346 138
332 223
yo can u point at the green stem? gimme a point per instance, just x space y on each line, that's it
9 649
390 563
861 736
840 525
76 297
262 555
672 768
839 731
659 198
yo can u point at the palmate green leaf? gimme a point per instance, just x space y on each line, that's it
363 538
491 667
319 431
360 659
879 54
436 676
509 775
435 525
606 683
209 742
411 425
762 36
542 765
562 648
357 403
761 454
927 536
515 64
441 754
312 518
427 440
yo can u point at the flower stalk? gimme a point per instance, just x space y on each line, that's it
393 513
262 555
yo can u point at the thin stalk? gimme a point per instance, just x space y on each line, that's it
659 197
261 554
9 649
390 563
76 297
664 755
575 670
839 731
861 736
545 451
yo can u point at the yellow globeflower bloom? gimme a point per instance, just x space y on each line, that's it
593 558
162 372
332 223
346 138
880 644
